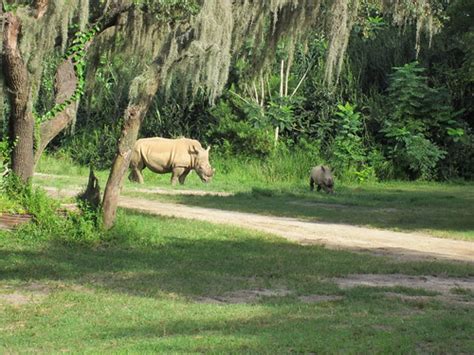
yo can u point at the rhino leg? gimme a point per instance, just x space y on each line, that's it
136 175
136 172
136 167
182 177
176 174
311 184
319 188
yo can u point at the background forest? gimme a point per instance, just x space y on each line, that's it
394 113
401 106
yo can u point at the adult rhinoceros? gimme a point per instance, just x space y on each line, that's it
175 156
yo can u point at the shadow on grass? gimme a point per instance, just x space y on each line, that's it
392 208
168 255
162 260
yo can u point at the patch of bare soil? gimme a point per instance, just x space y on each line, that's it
339 206
451 290
34 292
319 298
407 246
182 192
17 296
243 296
255 295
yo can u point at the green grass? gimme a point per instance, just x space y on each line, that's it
435 209
7 205
139 291
439 209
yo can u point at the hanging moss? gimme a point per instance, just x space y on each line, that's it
425 14
213 33
341 21
218 32
40 35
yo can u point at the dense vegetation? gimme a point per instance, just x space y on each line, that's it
392 115
400 109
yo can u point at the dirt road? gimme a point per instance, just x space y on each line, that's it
336 236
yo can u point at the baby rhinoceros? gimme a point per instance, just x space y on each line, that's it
322 176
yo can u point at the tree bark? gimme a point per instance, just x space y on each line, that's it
21 123
41 6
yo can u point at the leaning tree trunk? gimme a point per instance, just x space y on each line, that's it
65 84
142 91
147 87
21 123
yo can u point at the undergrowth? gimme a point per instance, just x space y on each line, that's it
50 220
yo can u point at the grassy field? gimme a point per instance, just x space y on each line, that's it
438 209
171 285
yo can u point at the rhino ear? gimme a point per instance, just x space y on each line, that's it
323 169
208 149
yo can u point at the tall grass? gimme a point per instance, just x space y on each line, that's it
282 169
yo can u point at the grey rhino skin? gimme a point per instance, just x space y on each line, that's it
175 156
322 176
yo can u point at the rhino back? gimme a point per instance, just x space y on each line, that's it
162 154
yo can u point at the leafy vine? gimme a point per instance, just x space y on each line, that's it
77 53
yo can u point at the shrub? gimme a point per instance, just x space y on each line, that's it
349 154
421 124
97 147
237 136
48 222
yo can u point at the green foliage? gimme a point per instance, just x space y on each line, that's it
349 153
77 53
419 128
420 123
97 147
106 99
175 116
4 161
49 221
241 136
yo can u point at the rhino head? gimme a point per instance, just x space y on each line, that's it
202 166
327 179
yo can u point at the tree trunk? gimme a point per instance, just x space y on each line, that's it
142 92
65 83
21 123
133 118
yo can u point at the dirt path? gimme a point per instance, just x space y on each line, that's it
336 236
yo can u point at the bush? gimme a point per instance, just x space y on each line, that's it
349 155
48 221
95 147
421 125
236 136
